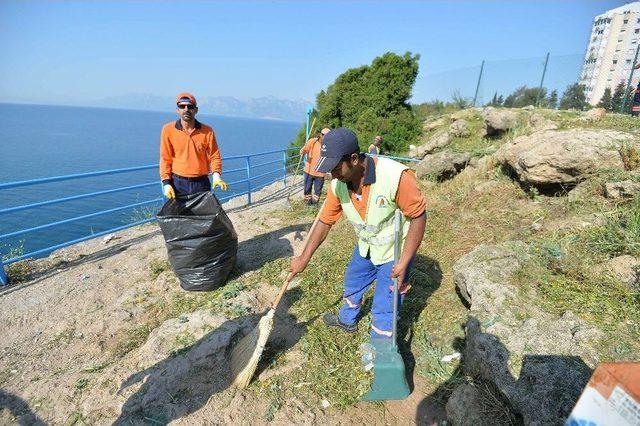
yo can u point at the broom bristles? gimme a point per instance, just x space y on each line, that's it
246 354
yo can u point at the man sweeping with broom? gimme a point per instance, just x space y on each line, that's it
367 191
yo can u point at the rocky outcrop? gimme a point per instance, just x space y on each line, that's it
563 157
546 389
439 140
460 129
442 165
624 189
499 121
505 325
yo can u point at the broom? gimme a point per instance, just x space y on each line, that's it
247 353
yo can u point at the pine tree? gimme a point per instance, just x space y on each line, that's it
494 100
574 97
605 101
552 100
616 99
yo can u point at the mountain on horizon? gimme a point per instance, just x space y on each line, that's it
266 107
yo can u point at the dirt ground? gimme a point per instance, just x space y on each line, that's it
61 329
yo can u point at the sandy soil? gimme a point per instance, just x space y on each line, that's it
61 328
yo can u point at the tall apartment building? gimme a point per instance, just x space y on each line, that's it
612 47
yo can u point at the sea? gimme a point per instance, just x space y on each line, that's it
38 141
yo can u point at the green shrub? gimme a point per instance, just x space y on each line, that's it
372 100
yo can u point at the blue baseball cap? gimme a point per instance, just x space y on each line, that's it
335 145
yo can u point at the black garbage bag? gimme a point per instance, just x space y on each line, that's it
200 239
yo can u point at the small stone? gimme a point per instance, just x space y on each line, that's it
325 403
449 358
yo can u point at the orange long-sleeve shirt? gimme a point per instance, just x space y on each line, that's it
188 154
312 149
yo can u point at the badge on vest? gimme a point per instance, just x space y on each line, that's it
382 201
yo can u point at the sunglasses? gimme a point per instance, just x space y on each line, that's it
189 107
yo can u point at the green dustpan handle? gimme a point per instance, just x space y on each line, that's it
396 257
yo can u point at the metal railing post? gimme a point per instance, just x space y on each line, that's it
544 71
626 92
284 167
475 96
248 161
4 279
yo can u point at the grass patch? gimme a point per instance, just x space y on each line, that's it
19 271
158 266
429 365
620 234
81 384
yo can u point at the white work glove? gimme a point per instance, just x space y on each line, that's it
168 191
217 181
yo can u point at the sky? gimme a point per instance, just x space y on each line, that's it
65 52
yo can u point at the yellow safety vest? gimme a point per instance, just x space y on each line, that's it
375 233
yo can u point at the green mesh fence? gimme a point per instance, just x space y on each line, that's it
498 78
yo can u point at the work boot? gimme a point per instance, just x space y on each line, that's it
332 320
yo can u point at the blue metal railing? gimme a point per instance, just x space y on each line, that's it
282 169
253 182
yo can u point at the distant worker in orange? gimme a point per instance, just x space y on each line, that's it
375 147
311 176
189 153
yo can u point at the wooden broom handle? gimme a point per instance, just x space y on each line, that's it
283 289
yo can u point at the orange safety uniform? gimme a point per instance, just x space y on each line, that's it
408 197
188 154
312 149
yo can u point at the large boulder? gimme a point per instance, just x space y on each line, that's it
552 158
547 387
506 329
499 121
442 165
460 129
439 140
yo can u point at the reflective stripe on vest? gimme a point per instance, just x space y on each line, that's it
375 233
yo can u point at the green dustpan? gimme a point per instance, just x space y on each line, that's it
389 380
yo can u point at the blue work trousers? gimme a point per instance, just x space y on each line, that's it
188 186
316 181
360 274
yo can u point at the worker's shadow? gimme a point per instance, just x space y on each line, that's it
546 389
19 408
183 382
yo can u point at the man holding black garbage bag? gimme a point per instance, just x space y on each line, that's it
201 242
189 152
